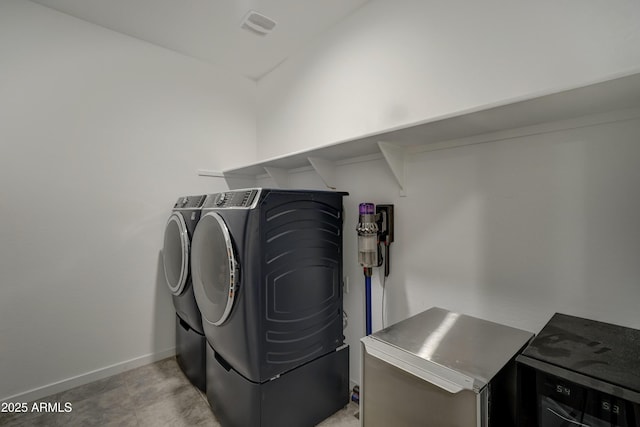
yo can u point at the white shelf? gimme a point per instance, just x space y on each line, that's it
616 94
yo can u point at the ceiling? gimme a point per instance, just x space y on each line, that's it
210 29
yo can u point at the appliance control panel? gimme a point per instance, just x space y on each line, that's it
189 202
241 199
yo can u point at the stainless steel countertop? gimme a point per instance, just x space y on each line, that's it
457 346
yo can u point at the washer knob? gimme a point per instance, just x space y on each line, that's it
220 199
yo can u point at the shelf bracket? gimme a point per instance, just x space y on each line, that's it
394 155
211 173
326 169
280 176
238 181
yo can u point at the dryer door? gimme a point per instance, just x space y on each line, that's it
175 253
214 269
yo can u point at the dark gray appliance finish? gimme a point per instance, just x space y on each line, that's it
267 269
441 368
599 350
267 274
580 372
176 258
190 354
301 397
190 339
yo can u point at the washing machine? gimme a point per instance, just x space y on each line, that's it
267 276
190 339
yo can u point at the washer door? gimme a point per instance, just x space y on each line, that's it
214 269
175 254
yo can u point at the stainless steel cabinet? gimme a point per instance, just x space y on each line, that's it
440 369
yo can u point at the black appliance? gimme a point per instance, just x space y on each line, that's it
267 276
190 340
580 372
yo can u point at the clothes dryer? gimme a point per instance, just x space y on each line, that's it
267 276
190 340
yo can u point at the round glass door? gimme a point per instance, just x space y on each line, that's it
214 268
175 253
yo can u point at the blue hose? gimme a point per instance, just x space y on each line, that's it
367 289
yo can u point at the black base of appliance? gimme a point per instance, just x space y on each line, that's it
301 397
190 353
187 308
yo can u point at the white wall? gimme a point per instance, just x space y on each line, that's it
395 63
99 134
510 231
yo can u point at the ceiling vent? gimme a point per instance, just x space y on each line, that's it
257 23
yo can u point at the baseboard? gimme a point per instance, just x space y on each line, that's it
98 374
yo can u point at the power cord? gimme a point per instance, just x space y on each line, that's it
384 288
